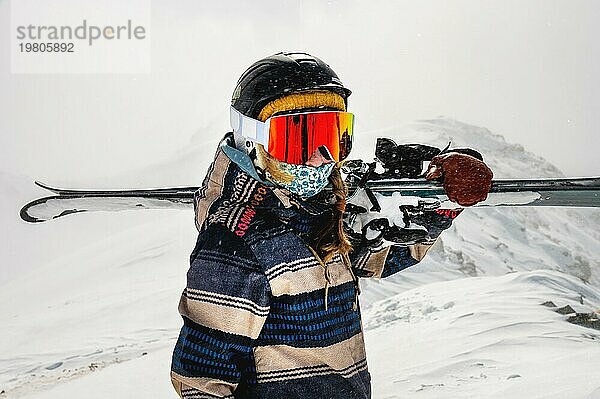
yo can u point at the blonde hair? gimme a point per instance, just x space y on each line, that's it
332 238
271 165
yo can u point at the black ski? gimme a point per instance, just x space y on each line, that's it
401 178
562 192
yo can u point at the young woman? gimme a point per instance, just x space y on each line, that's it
271 304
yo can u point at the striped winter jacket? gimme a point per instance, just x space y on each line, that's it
263 317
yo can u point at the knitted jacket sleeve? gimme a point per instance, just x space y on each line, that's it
224 306
387 260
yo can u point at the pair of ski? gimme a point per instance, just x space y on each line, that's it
401 179
564 192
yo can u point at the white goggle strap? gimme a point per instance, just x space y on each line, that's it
251 129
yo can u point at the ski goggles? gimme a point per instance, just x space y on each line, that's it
293 138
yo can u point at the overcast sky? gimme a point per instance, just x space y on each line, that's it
525 69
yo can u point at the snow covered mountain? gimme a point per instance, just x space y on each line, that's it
496 241
101 320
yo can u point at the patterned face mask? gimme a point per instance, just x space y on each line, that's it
308 180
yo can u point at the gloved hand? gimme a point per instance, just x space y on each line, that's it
466 179
380 232
401 220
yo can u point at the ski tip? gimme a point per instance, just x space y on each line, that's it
42 185
47 187
26 217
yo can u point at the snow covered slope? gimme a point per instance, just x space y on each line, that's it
101 321
484 337
109 302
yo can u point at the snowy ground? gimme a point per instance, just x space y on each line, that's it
467 322
484 337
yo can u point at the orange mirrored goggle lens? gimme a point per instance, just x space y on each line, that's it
294 138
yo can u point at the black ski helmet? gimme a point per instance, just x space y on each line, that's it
281 74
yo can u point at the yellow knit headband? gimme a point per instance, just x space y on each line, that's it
309 99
